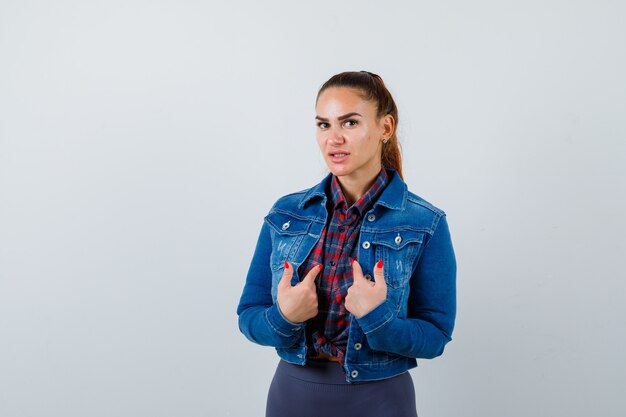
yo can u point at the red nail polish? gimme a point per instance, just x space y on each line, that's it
286 265
380 264
320 266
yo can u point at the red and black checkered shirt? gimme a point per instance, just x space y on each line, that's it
328 331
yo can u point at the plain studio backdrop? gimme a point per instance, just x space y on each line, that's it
142 142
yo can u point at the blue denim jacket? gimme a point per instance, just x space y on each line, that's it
408 233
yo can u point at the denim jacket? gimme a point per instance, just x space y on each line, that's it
408 233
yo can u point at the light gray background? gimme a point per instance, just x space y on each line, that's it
142 142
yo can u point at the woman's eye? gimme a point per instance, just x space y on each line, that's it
322 125
350 122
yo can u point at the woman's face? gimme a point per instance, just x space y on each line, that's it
349 134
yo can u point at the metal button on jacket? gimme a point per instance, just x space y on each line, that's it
398 239
286 226
366 245
357 346
354 374
371 217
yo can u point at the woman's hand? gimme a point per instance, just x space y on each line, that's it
298 303
364 295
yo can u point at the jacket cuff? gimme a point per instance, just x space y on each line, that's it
376 318
280 324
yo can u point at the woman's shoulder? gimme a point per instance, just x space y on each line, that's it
292 211
423 204
424 213
300 199
291 199
410 200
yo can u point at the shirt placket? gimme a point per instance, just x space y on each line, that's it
335 287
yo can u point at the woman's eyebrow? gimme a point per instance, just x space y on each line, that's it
345 116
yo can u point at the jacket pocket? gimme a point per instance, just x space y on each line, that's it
288 232
398 249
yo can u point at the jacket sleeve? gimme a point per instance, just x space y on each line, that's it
432 305
260 320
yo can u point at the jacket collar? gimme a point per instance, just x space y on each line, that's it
394 195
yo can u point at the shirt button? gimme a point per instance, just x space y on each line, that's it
354 374
366 245
332 263
286 226
371 217
398 239
357 346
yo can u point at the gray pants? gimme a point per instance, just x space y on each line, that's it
320 389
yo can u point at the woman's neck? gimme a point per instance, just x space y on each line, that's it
353 187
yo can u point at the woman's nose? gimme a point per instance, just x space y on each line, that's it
336 137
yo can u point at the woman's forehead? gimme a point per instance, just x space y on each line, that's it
336 101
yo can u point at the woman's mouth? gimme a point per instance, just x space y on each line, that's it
338 156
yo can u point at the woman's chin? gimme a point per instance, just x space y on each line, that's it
339 171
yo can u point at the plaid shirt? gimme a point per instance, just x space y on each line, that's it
328 331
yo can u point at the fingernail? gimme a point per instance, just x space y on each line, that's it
320 266
286 265
380 264
351 261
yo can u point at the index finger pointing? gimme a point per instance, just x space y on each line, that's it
310 277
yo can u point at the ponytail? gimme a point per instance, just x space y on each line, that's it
391 157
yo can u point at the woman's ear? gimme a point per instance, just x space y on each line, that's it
388 125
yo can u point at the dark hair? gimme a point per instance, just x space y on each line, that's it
372 88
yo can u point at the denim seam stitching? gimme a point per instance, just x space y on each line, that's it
426 205
272 326
380 325
294 215
435 224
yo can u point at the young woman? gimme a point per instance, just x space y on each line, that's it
353 278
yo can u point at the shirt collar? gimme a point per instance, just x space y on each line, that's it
393 196
364 203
